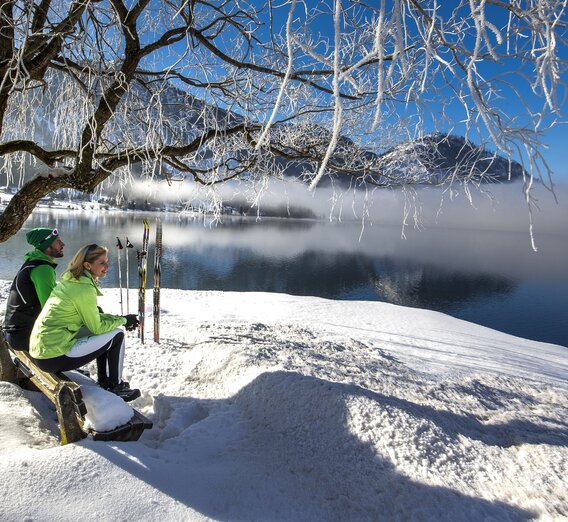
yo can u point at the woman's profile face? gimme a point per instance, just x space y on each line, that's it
99 267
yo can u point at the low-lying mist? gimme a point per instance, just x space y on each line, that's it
494 207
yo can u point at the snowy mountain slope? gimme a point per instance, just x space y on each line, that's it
448 155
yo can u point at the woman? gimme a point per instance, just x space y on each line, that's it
72 331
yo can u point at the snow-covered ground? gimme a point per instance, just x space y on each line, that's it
277 408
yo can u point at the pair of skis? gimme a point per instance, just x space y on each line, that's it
142 256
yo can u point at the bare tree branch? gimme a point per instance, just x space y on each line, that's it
91 91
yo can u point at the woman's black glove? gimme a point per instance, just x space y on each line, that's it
132 322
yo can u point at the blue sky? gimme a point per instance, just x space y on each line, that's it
557 155
556 139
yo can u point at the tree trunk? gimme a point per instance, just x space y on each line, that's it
7 368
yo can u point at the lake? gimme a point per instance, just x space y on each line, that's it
490 278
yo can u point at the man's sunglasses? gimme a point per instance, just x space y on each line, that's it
53 233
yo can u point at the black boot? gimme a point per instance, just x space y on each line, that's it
126 393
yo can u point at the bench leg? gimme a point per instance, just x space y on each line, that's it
68 423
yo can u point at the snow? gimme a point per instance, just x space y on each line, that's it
272 407
105 411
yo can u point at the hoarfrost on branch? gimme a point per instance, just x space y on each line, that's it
94 91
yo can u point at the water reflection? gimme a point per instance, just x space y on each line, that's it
426 286
485 277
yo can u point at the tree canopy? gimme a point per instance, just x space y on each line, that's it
223 90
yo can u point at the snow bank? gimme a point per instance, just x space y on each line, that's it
21 423
273 407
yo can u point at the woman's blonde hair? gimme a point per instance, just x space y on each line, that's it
87 253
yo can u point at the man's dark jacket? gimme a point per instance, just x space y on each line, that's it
24 306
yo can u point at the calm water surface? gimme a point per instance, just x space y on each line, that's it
490 278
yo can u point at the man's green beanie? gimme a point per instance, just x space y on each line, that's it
41 238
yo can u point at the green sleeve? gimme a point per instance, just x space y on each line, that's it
96 322
43 278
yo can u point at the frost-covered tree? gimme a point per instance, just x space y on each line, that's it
91 90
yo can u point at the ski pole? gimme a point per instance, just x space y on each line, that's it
120 247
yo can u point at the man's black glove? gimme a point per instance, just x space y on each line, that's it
132 322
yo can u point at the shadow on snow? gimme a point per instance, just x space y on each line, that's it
281 449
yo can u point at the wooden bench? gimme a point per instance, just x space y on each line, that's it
66 395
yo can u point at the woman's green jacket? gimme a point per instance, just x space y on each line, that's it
71 306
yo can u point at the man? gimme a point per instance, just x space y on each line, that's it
32 286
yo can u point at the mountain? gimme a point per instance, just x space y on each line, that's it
445 155
432 159
175 117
